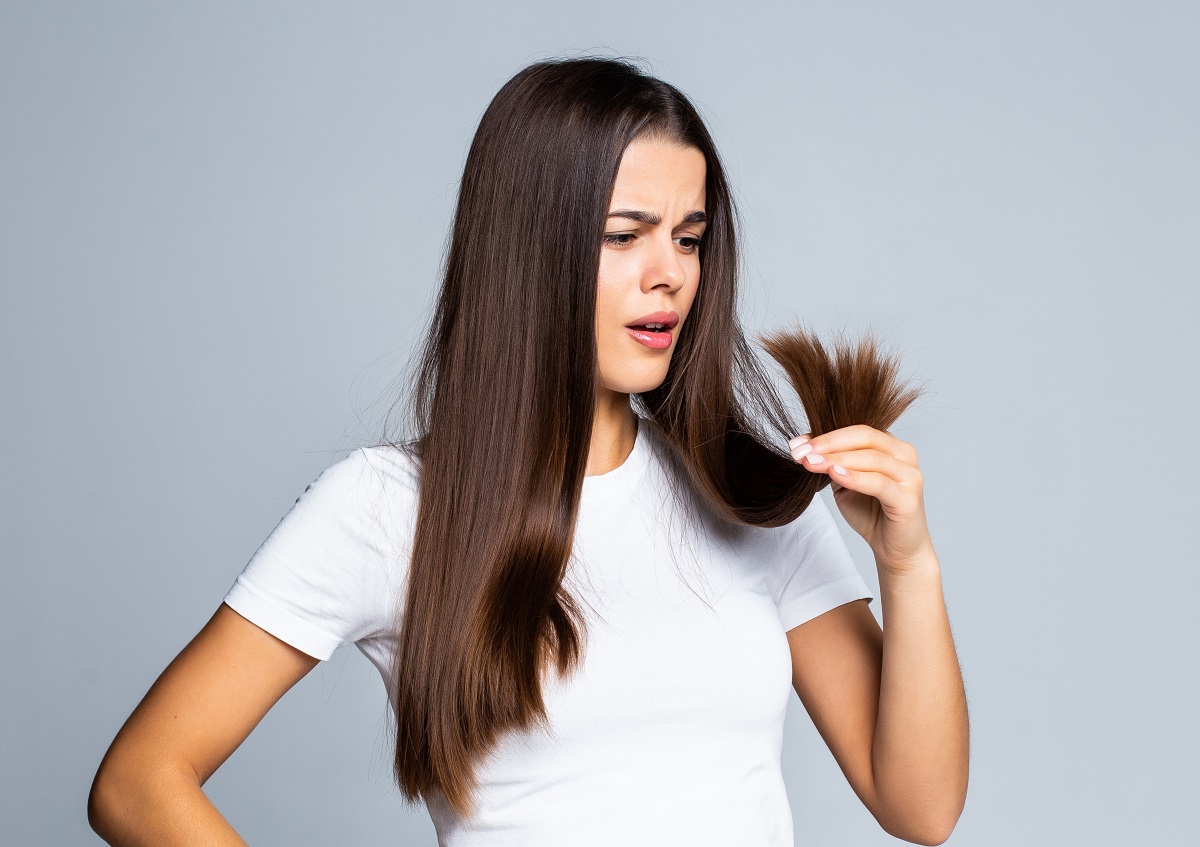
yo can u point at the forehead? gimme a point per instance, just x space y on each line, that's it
655 172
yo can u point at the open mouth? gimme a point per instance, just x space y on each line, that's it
654 330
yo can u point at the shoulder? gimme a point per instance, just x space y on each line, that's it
381 468
394 467
817 517
378 478
813 534
369 491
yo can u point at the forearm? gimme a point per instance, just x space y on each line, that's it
920 749
163 810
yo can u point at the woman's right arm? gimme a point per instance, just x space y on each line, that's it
147 790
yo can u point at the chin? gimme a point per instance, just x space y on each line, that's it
635 383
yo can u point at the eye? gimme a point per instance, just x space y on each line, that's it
693 245
615 237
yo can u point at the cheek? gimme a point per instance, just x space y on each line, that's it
606 303
608 293
687 295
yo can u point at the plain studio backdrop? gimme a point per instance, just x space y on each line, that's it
220 230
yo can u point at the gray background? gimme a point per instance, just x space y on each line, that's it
219 231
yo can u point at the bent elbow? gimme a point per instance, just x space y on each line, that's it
930 836
930 833
931 828
934 837
121 792
102 805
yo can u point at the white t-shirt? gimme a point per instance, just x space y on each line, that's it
670 731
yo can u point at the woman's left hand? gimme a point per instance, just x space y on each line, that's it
880 493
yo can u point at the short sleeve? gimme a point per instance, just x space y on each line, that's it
324 575
817 572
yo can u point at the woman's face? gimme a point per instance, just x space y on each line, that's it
649 262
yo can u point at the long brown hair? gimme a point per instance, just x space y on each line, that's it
504 397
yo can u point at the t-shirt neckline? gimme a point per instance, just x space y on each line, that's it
625 474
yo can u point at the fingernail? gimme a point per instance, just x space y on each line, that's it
800 452
797 441
840 469
814 459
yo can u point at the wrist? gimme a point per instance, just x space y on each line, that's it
919 570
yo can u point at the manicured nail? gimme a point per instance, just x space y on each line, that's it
797 441
814 459
840 469
800 452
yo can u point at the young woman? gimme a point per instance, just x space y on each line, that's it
593 578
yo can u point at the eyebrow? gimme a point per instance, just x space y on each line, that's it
693 217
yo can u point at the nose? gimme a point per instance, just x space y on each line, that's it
664 266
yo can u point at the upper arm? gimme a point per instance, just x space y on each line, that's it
837 661
208 699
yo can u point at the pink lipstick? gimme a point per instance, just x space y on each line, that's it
654 330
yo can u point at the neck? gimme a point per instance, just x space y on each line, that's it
614 430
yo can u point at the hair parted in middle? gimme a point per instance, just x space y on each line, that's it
503 409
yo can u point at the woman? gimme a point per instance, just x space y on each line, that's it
592 578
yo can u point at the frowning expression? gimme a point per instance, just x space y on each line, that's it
649 262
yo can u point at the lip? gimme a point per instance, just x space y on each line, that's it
653 340
669 319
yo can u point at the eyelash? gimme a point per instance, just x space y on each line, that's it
611 238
